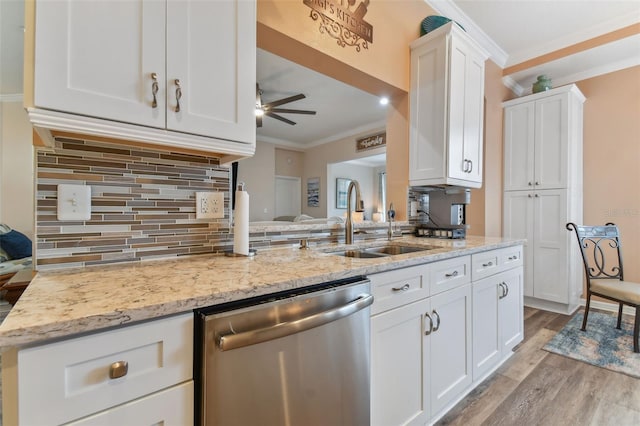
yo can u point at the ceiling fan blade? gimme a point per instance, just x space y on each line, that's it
258 97
258 121
279 117
292 111
284 101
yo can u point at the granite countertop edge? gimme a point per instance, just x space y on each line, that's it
59 304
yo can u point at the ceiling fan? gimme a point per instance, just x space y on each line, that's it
270 108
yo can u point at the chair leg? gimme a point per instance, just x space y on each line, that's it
636 328
586 312
619 316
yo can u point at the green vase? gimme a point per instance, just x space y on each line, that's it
543 83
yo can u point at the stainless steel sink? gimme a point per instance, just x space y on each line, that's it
380 251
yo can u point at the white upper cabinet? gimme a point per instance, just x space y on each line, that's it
541 132
176 72
447 109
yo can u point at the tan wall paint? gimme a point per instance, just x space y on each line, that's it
612 158
258 173
484 214
315 165
288 162
16 169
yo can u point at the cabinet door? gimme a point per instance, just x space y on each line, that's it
487 346
550 239
399 360
518 223
211 68
97 59
427 133
551 142
466 105
519 135
510 315
173 406
450 365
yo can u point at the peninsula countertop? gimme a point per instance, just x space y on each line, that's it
62 303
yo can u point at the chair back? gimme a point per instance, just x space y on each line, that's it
601 250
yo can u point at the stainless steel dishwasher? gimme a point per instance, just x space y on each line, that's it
300 357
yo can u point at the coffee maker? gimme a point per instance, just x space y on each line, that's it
441 212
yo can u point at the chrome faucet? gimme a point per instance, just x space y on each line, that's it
348 227
391 213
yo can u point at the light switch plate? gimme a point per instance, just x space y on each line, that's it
74 202
209 205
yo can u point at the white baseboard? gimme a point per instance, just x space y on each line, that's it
608 306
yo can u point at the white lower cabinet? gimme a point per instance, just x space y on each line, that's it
84 379
421 358
435 333
497 319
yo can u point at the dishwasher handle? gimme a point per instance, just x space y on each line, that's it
234 341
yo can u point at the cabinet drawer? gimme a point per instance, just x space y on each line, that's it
66 380
451 273
495 261
173 406
511 257
485 264
396 288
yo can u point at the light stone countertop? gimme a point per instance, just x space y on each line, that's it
60 304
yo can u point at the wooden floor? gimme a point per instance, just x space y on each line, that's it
535 387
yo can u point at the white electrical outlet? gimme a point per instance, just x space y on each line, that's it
209 205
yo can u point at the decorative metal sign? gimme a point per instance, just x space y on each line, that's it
370 142
345 25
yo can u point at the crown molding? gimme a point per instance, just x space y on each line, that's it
449 9
513 85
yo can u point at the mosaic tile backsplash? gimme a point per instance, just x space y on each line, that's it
143 204
143 207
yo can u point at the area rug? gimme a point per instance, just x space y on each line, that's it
602 344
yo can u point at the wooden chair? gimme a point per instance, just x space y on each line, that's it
602 256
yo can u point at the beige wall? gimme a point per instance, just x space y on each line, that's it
288 162
16 169
315 165
258 173
612 158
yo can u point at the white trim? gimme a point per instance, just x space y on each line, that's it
378 125
572 39
449 9
13 97
45 120
513 85
597 71
608 306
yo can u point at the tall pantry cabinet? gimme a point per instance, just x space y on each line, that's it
543 191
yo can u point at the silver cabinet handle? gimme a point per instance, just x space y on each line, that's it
537 183
536 195
501 296
470 166
154 89
428 332
403 288
529 183
464 165
487 264
234 341
178 94
118 369
435 313
453 274
513 257
529 195
506 287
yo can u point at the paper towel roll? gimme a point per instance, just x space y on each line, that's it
241 222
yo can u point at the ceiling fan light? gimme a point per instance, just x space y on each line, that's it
259 112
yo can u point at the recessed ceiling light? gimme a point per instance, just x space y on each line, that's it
384 100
